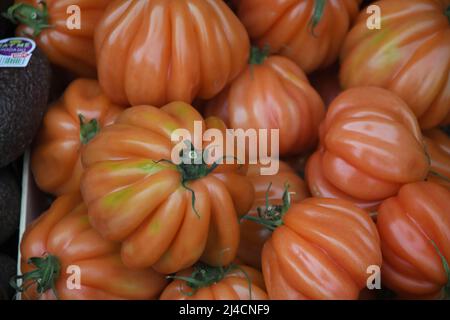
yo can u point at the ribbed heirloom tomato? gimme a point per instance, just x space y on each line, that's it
167 216
414 228
370 146
268 189
202 282
409 55
67 127
46 21
321 249
158 51
310 32
272 93
61 241
438 148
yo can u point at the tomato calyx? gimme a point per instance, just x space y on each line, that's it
192 167
446 269
44 276
205 276
35 18
319 8
258 56
271 216
88 130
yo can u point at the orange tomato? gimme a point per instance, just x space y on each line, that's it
409 55
287 27
253 235
73 48
231 283
136 197
371 145
62 242
68 125
414 228
272 93
322 251
159 51
438 148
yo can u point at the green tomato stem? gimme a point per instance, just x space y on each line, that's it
258 56
88 130
319 8
205 276
271 216
44 276
35 18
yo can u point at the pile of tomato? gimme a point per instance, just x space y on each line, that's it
362 191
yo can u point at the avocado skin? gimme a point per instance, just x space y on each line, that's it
9 205
6 27
24 95
8 269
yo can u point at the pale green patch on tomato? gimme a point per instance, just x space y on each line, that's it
116 198
154 227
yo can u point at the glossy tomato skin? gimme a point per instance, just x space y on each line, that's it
135 198
370 145
273 95
234 286
285 27
438 148
320 186
56 156
409 55
156 52
408 225
72 49
64 231
253 235
322 251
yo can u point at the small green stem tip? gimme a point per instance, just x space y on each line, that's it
88 130
271 216
44 276
35 18
319 8
257 55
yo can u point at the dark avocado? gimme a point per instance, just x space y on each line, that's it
8 269
6 27
9 204
24 96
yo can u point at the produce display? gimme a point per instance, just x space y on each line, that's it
225 150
